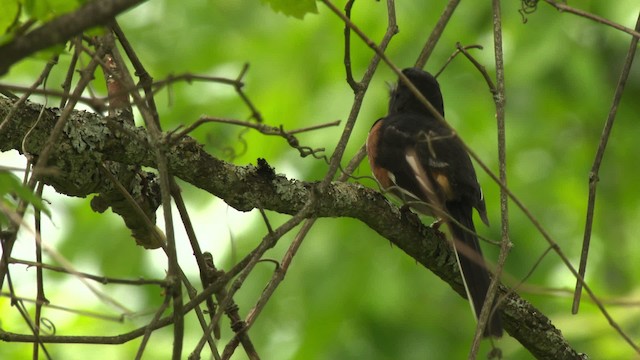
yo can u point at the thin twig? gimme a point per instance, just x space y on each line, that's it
150 226
556 248
197 253
47 304
458 50
30 90
117 339
480 67
45 153
281 268
90 15
92 102
254 257
359 89
150 327
255 113
174 273
595 169
149 114
355 86
66 84
499 97
101 279
563 7
392 29
314 127
264 129
99 102
435 34
485 168
276 279
40 295
189 78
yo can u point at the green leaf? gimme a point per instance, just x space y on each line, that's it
295 8
11 185
49 52
95 31
9 15
45 10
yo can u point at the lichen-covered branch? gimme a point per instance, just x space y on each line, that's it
90 139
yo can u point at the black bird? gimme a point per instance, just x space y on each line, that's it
417 158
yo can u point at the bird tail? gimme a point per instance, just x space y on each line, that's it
472 266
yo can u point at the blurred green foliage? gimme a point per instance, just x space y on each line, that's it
295 8
348 293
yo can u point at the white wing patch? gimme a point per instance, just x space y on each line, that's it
427 187
419 173
392 177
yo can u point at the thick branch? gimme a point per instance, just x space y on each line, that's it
62 28
249 187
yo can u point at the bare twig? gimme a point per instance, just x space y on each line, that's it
254 257
58 30
355 86
40 295
563 7
200 260
484 167
47 150
458 50
150 327
189 78
94 103
565 260
66 84
480 67
435 34
149 114
101 279
264 129
49 305
314 127
392 29
276 279
595 169
255 114
98 103
499 97
30 90
117 339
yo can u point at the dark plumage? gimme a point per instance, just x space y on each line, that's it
415 157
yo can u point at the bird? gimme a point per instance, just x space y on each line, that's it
417 158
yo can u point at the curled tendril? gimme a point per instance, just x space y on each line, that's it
527 7
47 326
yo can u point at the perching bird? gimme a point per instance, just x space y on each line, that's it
416 157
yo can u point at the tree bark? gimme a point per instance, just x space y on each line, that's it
90 139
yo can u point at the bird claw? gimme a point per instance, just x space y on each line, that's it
405 208
436 224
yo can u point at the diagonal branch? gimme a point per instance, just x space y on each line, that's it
597 161
563 7
58 30
249 187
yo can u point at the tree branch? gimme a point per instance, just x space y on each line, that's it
249 187
58 30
